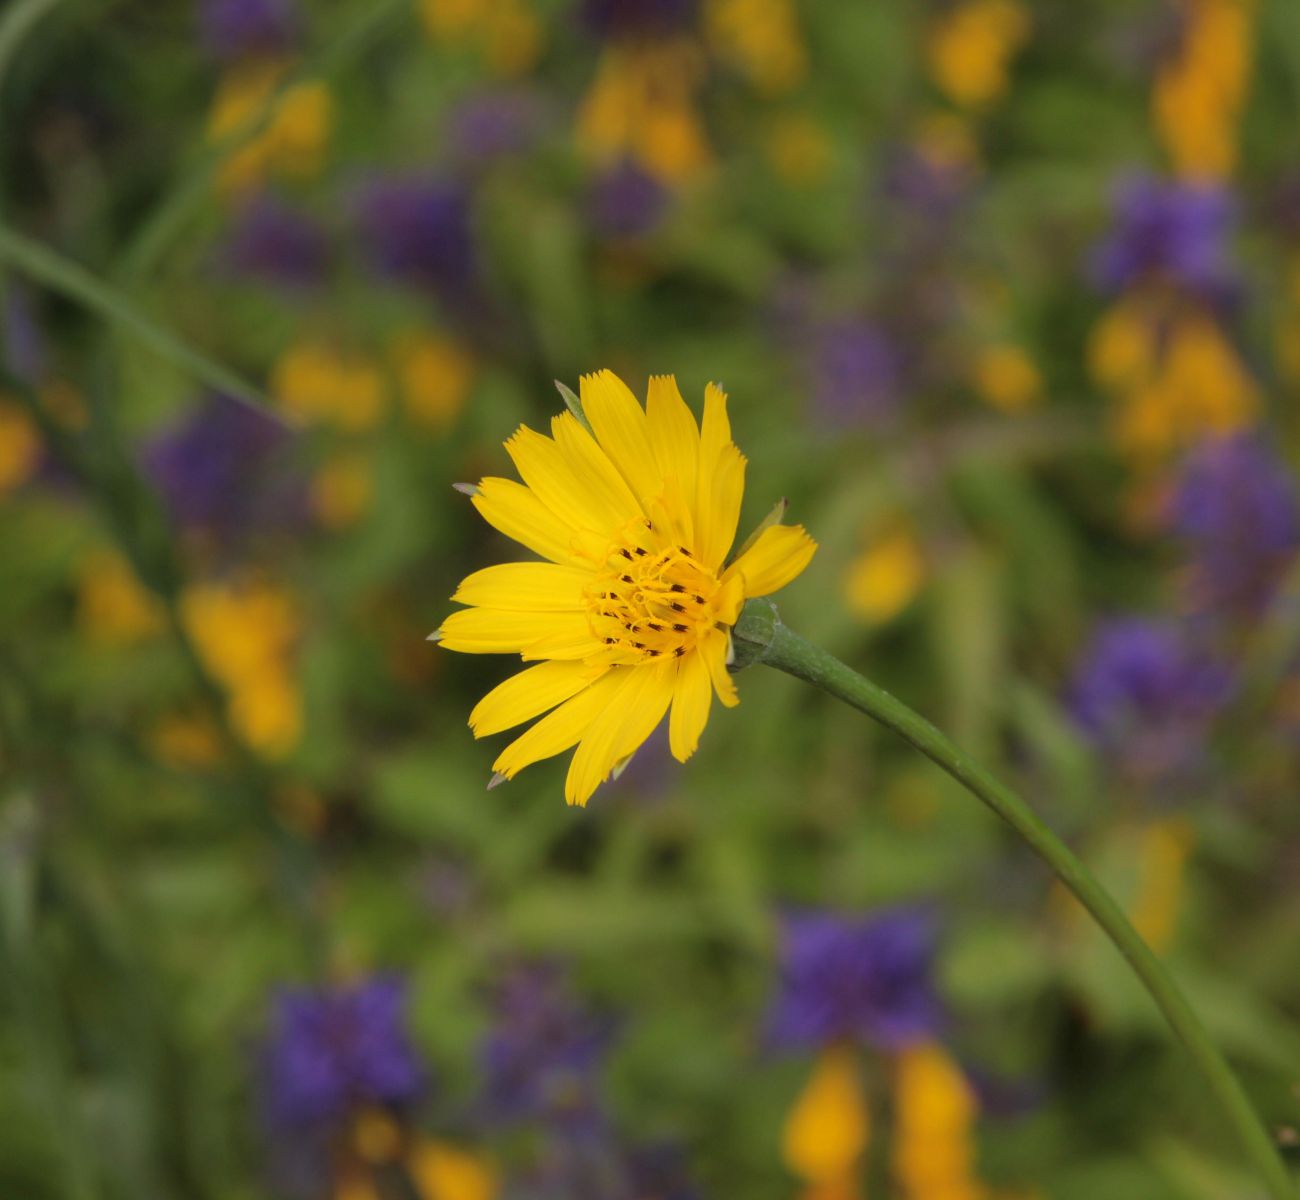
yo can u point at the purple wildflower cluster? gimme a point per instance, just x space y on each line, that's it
235 29
861 978
272 242
637 18
334 1051
1237 516
213 470
1145 697
1169 232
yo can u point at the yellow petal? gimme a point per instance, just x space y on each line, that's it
713 649
445 1172
628 719
720 483
562 727
589 462
778 556
674 438
692 697
826 1133
529 694
620 426
519 514
491 631
547 472
525 587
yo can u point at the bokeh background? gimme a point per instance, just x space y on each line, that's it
1006 297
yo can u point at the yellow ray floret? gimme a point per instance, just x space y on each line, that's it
629 616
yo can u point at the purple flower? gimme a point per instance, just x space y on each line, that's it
1144 697
865 978
1172 232
233 29
541 1059
626 201
1236 513
494 123
925 189
637 18
418 232
213 469
273 242
333 1051
855 373
21 341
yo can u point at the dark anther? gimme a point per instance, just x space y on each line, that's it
699 599
679 628
677 607
610 641
639 645
684 551
677 587
640 552
626 555
679 651
655 627
629 579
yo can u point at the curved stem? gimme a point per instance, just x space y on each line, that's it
760 637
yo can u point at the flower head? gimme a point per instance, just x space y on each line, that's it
334 1051
1237 513
1143 696
233 29
542 1058
631 612
271 241
1176 233
856 978
418 231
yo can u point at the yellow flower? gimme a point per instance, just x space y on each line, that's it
642 105
315 381
20 447
1165 847
435 375
970 49
508 32
113 607
1199 93
885 578
342 489
762 38
632 610
934 1117
827 1130
1006 379
445 1172
293 139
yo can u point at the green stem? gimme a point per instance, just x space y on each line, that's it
760 637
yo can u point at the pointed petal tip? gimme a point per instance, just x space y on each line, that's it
435 636
498 778
466 489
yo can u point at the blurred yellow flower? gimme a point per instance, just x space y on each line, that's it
506 32
762 38
884 579
799 150
444 1172
827 1130
113 607
933 1154
641 105
631 614
316 381
1166 846
1199 93
185 741
435 374
1006 379
297 129
20 447
1175 384
341 490
970 47
245 635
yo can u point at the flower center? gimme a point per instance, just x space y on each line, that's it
649 601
